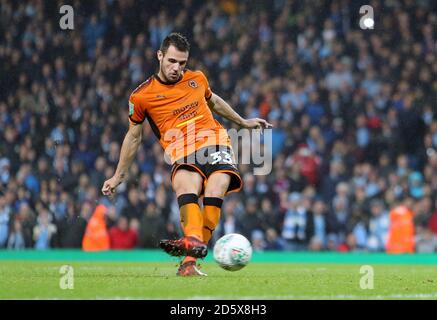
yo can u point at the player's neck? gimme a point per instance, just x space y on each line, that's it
162 79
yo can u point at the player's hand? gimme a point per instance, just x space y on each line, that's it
110 185
256 123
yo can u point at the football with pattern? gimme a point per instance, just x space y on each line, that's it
232 252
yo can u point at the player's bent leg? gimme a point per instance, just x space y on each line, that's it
187 185
185 181
217 185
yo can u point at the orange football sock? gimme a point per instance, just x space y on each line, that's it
211 216
191 216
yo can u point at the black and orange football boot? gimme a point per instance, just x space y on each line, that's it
186 246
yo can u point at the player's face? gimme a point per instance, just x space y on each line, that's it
172 63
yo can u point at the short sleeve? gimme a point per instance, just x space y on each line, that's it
208 92
136 110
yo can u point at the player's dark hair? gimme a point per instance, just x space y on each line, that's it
176 39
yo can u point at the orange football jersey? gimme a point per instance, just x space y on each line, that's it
178 114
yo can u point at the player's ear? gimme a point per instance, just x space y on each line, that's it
159 55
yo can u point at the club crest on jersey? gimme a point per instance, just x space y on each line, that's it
131 108
192 84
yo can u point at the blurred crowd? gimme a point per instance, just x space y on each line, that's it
355 116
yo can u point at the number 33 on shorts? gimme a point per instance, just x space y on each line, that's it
221 157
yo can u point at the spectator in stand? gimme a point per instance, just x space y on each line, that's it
153 227
16 240
426 242
257 240
378 226
273 241
298 226
270 217
26 217
135 206
72 227
44 231
250 220
121 236
5 216
432 223
319 240
228 222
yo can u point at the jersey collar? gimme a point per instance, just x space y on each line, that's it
168 83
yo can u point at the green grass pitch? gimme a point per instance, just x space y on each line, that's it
132 275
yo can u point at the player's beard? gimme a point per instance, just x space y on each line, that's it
166 79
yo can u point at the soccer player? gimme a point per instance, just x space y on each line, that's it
178 104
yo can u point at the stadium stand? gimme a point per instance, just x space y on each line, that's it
355 115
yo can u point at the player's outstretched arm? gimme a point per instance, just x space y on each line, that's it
129 149
221 107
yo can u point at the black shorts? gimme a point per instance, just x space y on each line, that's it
209 160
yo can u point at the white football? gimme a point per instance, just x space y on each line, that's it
232 251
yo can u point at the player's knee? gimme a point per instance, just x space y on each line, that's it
216 191
184 189
187 183
217 186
